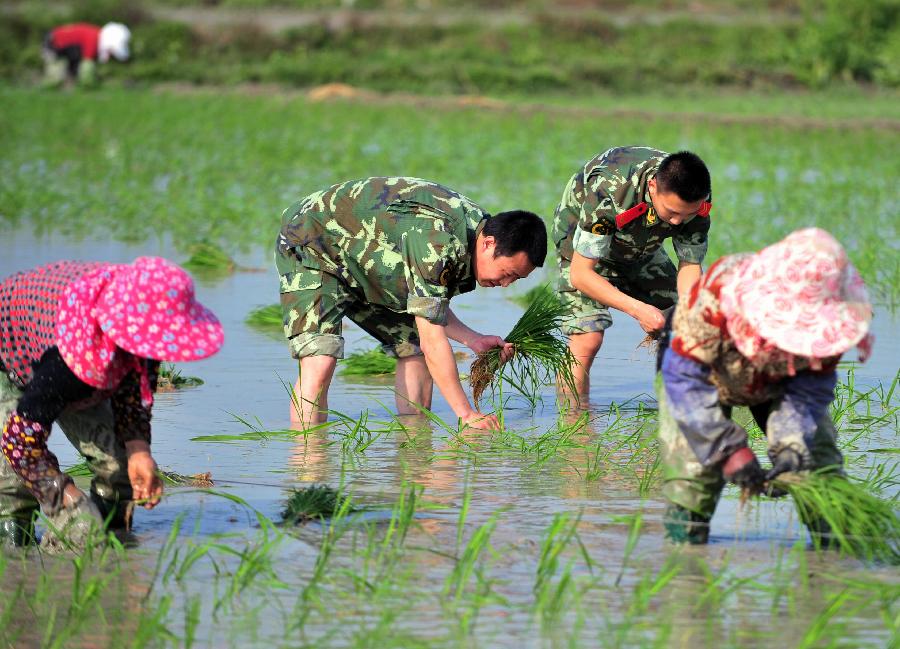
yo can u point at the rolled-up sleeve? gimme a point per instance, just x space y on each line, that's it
692 240
431 264
590 245
694 404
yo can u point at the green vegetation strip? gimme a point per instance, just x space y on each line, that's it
575 52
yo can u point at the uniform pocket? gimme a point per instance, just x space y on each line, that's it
303 279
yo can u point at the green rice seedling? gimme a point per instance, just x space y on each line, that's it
171 378
371 363
549 600
468 560
208 258
861 524
313 503
267 318
540 353
528 298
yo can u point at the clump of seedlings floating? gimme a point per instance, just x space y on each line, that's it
170 379
267 318
861 524
540 353
312 503
199 480
371 363
208 258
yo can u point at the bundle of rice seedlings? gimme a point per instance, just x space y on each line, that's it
208 258
267 317
856 522
540 354
172 379
313 502
371 363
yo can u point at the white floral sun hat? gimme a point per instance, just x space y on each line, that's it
800 294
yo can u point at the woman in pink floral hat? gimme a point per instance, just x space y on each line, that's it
81 344
763 330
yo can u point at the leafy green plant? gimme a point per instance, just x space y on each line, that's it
856 521
371 363
540 353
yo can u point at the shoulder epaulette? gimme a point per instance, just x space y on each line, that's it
629 215
705 208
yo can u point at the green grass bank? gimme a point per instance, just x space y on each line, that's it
485 47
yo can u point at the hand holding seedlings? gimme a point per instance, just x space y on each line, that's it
481 421
482 344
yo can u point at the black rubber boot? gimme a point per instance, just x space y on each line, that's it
684 526
16 532
116 513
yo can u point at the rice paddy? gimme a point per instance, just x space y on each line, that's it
547 533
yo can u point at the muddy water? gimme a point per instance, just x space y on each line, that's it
245 381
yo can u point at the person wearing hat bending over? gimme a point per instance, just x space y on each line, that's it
390 253
80 344
766 331
72 51
609 229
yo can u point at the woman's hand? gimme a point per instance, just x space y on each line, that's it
146 486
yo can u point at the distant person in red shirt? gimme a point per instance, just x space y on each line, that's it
72 51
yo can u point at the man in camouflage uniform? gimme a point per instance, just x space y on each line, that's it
389 253
609 229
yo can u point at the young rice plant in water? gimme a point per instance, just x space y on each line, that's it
540 353
861 524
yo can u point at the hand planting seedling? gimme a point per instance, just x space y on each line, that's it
540 353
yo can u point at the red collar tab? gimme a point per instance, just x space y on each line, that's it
705 208
630 215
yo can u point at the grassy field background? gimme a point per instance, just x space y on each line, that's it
484 47
220 167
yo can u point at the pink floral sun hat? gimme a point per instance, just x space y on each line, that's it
800 294
146 308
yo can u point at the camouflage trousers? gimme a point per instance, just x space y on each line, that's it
653 281
313 303
91 432
696 488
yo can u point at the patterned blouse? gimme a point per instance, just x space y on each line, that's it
31 360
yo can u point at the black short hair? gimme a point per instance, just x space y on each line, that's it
685 174
518 231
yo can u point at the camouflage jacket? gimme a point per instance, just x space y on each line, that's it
402 243
606 214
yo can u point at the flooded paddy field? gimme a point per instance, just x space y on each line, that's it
547 534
